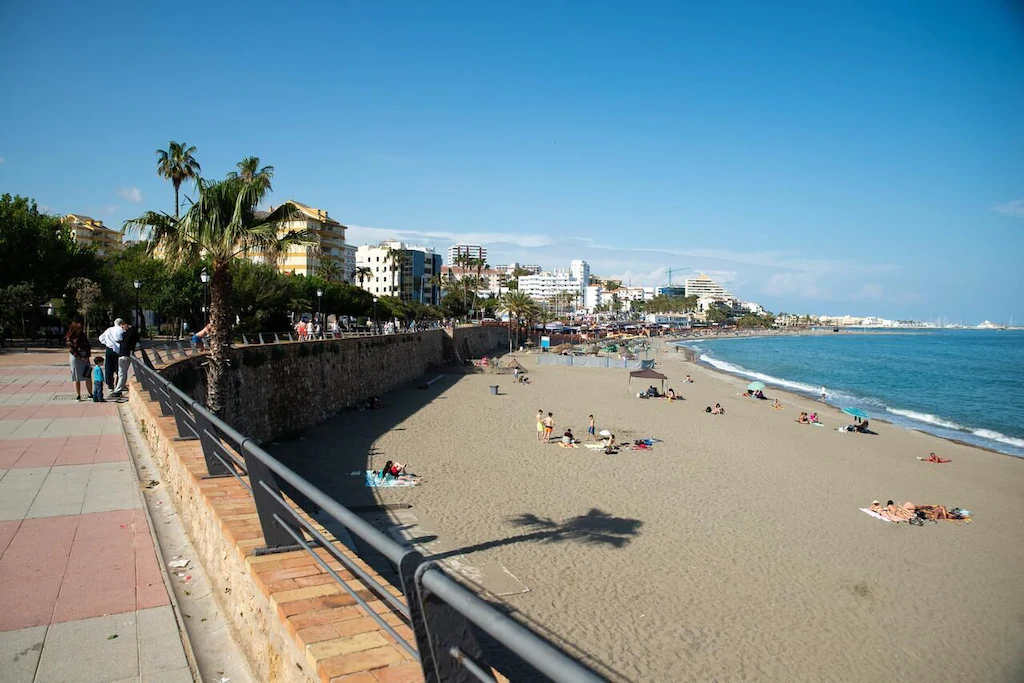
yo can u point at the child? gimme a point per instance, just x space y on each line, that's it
97 381
590 430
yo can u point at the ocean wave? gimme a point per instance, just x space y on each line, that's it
767 379
929 418
996 436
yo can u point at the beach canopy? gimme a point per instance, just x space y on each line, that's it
755 386
648 373
856 412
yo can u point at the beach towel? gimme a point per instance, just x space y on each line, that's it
875 514
373 480
594 446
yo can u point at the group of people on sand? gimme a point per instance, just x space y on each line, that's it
916 514
546 427
808 418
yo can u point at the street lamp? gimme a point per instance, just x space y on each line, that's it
375 315
319 316
138 311
205 277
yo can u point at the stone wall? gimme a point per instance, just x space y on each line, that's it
284 388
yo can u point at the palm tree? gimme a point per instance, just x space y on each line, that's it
177 164
395 256
249 170
328 270
363 273
219 226
518 305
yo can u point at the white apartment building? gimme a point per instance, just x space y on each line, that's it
474 251
408 279
702 285
597 295
529 268
545 285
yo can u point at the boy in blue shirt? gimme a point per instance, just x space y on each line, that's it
97 381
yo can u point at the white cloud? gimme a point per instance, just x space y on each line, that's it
1013 208
871 291
109 209
796 286
359 234
132 194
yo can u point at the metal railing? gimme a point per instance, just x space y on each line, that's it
438 608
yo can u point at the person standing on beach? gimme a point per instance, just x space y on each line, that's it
540 424
823 394
549 426
591 436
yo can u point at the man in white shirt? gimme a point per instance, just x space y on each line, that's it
111 339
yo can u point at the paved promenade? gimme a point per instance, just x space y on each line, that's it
83 598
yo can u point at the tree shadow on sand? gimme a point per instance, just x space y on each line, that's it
596 527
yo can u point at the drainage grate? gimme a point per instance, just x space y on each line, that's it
63 397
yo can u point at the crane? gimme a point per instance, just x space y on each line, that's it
674 270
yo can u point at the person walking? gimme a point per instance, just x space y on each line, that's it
111 339
540 425
124 357
591 435
824 395
77 344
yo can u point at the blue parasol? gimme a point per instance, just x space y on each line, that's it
856 412
755 386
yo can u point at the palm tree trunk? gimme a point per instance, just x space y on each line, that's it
176 201
219 338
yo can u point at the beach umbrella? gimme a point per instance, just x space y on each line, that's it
755 386
856 412
604 432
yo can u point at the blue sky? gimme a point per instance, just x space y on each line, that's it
831 157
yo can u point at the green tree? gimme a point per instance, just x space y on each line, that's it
519 307
88 297
249 171
221 225
177 164
363 273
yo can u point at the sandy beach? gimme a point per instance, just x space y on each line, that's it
734 551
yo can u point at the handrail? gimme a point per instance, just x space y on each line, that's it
437 608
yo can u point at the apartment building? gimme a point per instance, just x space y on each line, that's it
409 278
89 232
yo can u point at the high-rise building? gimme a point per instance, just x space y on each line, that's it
473 251
400 270
350 263
543 286
702 285
89 232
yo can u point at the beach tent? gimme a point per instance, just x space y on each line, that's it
648 373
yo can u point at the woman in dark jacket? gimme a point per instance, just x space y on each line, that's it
78 347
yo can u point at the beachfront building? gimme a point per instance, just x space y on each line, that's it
671 290
680 320
702 285
493 280
350 264
328 243
473 251
544 286
531 269
89 232
400 270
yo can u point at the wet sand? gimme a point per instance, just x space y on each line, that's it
733 551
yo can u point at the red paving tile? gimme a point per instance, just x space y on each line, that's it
7 530
31 570
100 575
62 450
60 569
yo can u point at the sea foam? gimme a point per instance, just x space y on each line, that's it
929 418
767 379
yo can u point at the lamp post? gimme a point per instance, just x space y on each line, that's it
138 311
375 315
319 316
205 277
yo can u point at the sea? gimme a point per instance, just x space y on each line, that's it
959 384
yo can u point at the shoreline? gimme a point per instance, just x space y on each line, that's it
693 356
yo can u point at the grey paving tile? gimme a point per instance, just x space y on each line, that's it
7 428
157 654
29 429
19 654
18 489
73 426
175 676
63 492
82 651
157 622
111 487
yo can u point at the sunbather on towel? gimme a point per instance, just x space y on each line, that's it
802 419
568 440
934 458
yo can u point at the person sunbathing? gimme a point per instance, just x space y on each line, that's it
747 393
813 419
609 441
688 380
392 468
718 409
862 427
760 394
937 512
777 405
568 440
670 394
934 458
802 419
